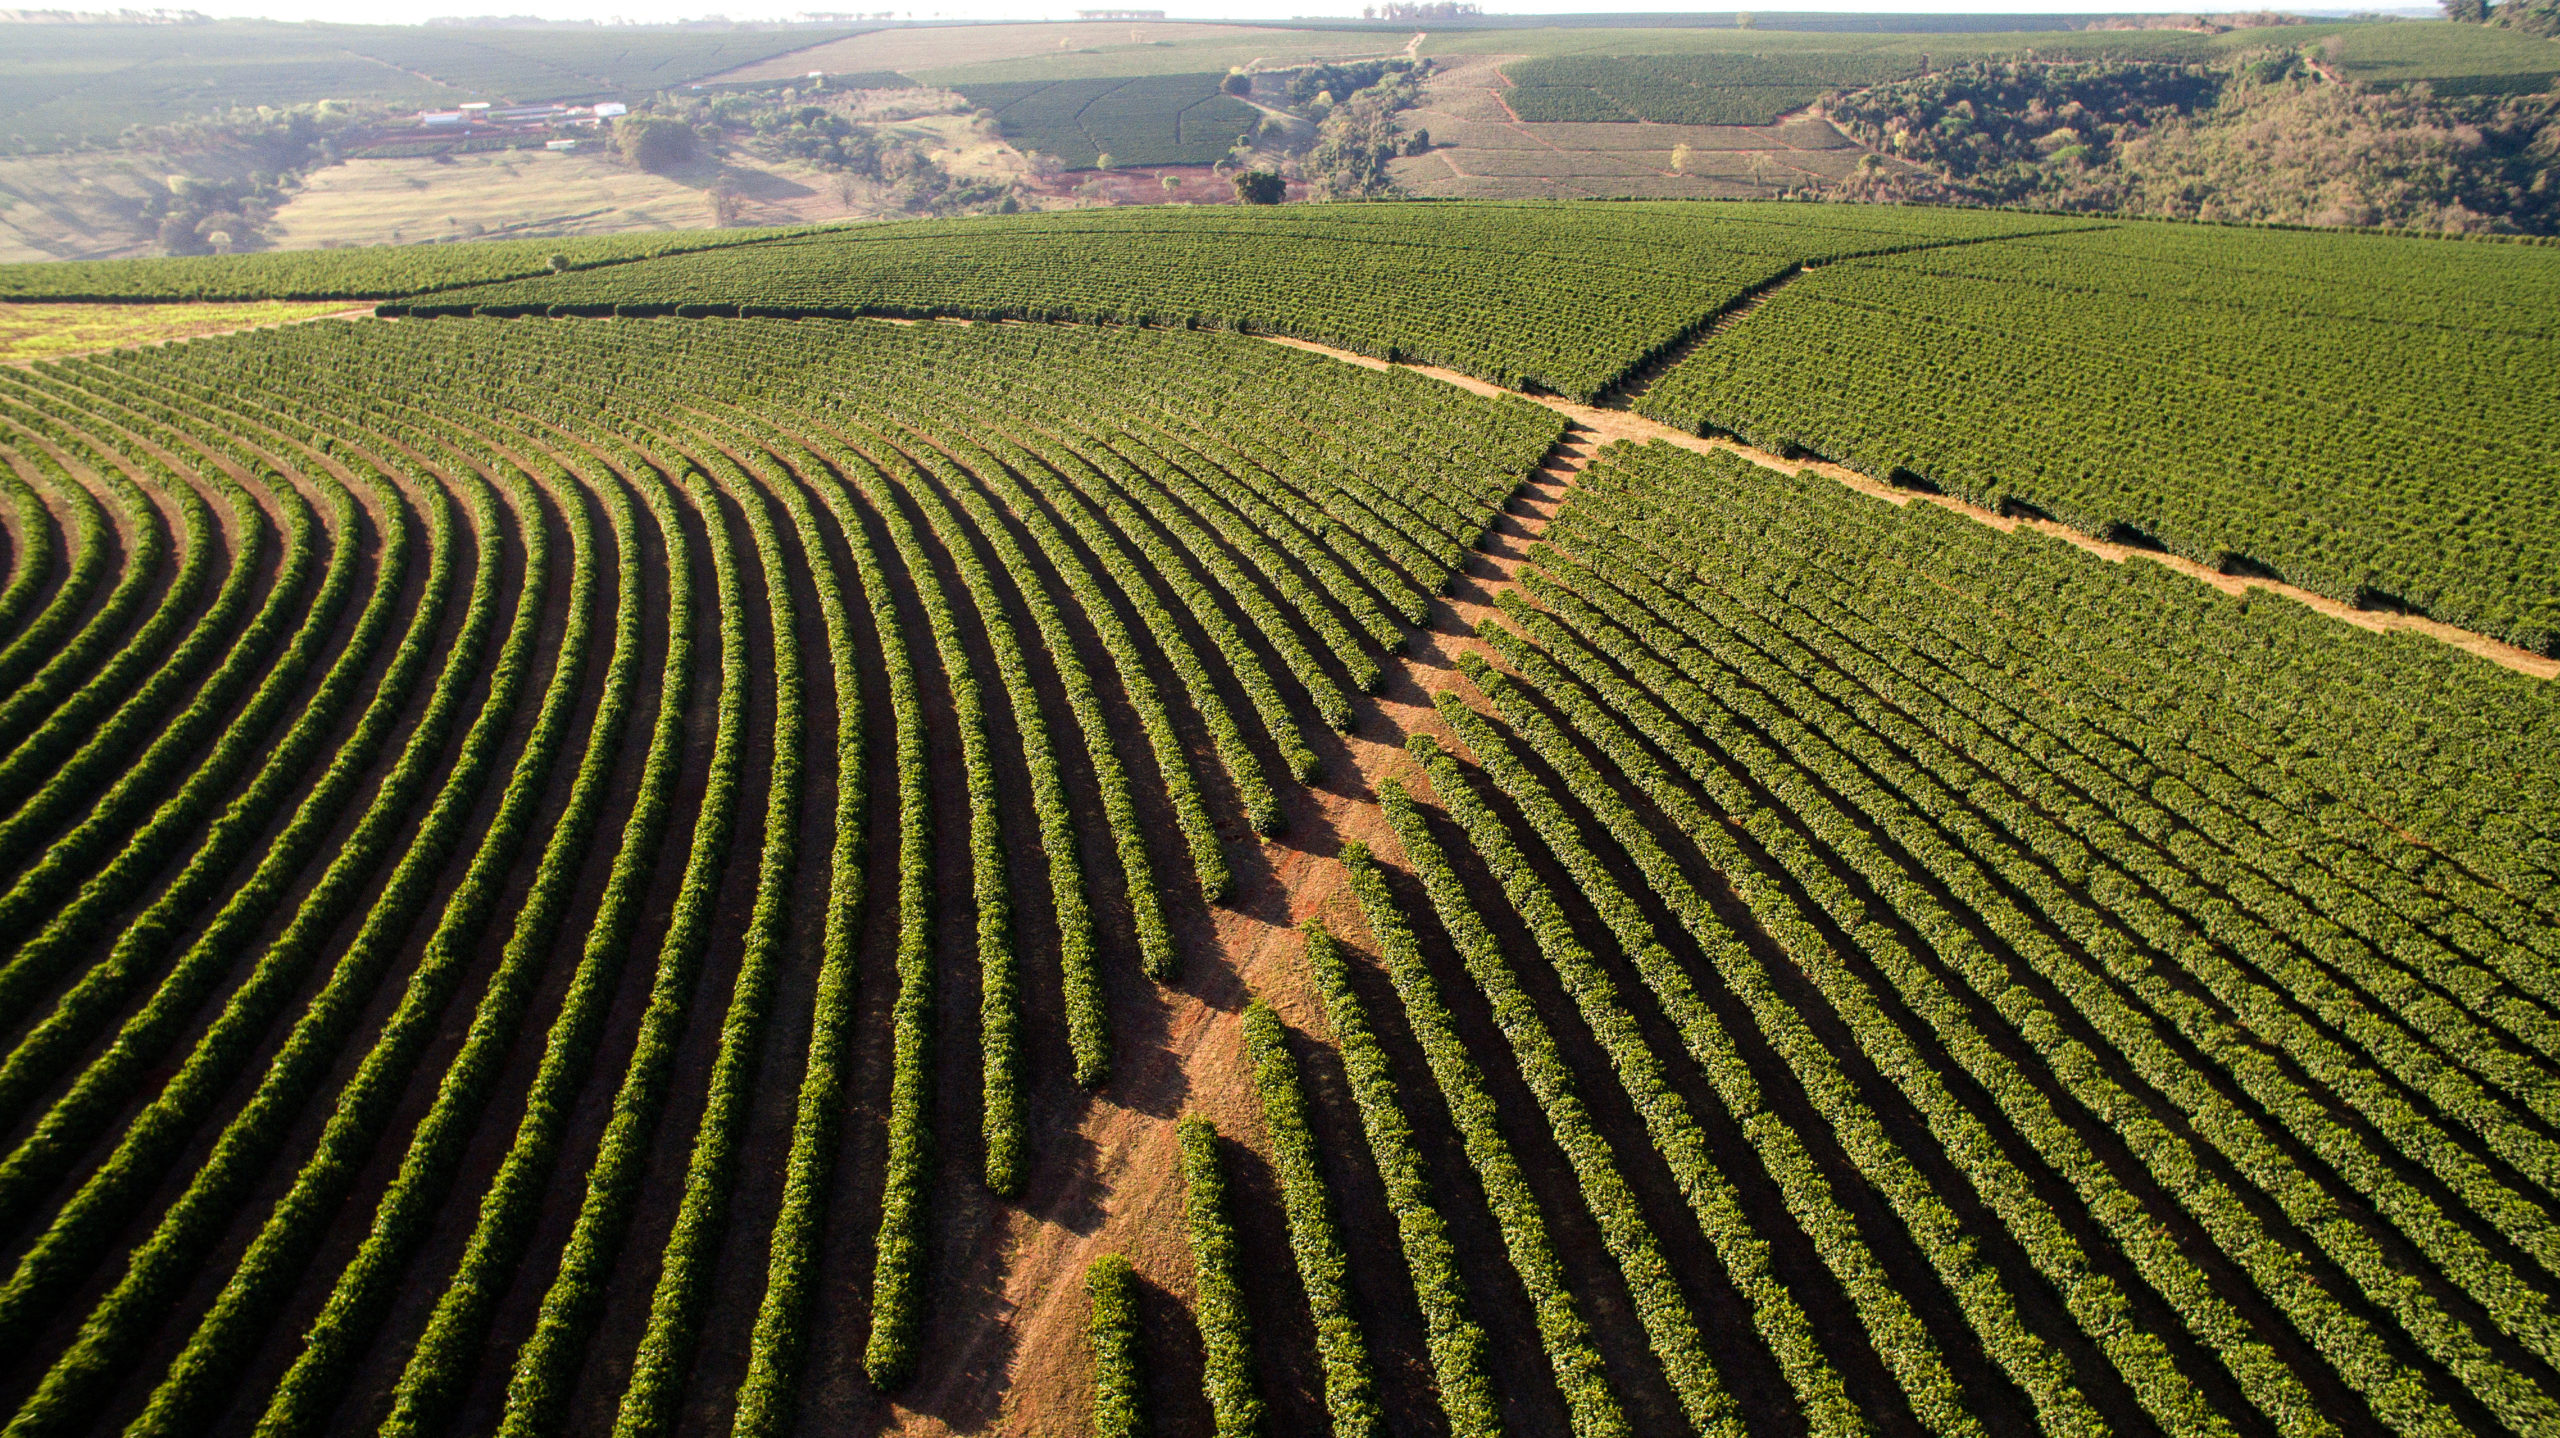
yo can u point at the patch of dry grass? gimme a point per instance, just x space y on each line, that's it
50 331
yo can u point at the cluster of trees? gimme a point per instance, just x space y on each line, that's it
1358 136
233 171
867 161
2271 137
2534 17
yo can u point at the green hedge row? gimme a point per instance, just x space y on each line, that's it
33 552
1126 557
1455 1339
546 1366
93 549
80 762
1088 1028
102 893
1663 1310
889 1351
2165 1269
1111 1290
2261 919
1562 1330
107 888
2344 1338
1820 1395
159 1268
776 1347
61 675
1165 543
1892 1328
1167 472
692 1249
1059 557
442 1359
2096 1303
1350 1392
266 1274
1225 1332
85 1225
1394 596
74 754
999 978
2348 1343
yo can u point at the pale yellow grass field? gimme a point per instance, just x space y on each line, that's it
48 331
519 193
375 202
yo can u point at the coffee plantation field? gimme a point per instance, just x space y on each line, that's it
1339 820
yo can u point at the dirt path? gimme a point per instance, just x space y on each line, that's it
1129 1199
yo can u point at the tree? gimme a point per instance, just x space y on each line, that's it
655 143
2534 17
1681 155
1237 83
2467 12
727 205
1260 187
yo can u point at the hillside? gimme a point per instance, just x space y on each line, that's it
1749 818
126 140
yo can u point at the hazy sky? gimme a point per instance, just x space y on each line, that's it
411 11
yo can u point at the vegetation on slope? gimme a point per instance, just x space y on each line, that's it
2270 138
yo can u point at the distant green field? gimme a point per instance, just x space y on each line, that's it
1145 120
1218 53
1937 46
377 272
65 85
1691 89
2397 51
1738 77
2455 59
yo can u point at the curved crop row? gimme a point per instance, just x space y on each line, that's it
1350 1392
1456 1340
1225 1332
1563 1331
1820 1393
1669 1325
